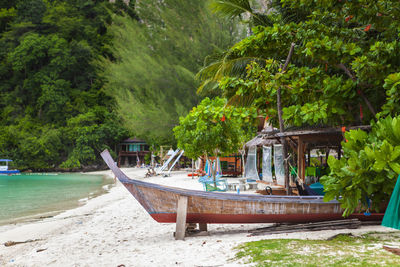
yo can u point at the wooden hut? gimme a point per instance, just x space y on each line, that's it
301 142
131 152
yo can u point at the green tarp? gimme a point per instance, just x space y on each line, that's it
392 214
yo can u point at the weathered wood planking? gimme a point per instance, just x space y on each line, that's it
161 202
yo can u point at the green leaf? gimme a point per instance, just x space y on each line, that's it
395 167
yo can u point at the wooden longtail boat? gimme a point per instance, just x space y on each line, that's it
161 202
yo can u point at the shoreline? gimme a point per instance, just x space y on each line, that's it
47 211
113 229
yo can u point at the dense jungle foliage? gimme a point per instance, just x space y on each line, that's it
80 76
157 58
53 110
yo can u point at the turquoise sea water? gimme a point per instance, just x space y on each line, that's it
29 195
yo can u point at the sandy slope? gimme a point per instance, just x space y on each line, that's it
113 229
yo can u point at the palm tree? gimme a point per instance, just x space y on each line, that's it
226 63
237 8
229 64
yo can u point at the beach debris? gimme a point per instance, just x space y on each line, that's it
46 217
394 250
317 226
121 265
41 249
13 243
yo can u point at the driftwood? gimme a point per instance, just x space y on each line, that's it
13 243
317 226
394 250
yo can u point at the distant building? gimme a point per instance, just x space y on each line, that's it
132 152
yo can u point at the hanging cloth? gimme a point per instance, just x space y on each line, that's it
279 165
218 172
250 170
266 164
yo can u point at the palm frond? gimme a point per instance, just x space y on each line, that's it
231 8
209 88
235 8
227 67
237 66
241 101
209 71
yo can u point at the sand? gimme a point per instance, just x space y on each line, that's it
113 230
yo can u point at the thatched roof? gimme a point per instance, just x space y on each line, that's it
312 131
133 140
319 136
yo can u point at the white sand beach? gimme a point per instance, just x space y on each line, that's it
114 230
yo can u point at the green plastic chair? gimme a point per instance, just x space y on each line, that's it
217 185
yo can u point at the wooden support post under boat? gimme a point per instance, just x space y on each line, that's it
181 218
203 227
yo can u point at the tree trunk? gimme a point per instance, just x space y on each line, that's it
242 152
281 124
192 168
360 92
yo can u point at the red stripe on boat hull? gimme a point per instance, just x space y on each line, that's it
261 218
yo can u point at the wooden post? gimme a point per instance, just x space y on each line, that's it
300 159
203 227
192 168
181 218
236 169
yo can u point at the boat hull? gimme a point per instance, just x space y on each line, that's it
260 218
161 202
206 207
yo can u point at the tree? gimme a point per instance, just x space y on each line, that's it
153 75
367 172
49 85
342 57
212 128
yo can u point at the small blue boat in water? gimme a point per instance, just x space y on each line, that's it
4 168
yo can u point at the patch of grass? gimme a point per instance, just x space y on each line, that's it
344 250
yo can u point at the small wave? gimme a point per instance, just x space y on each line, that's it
83 199
39 173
